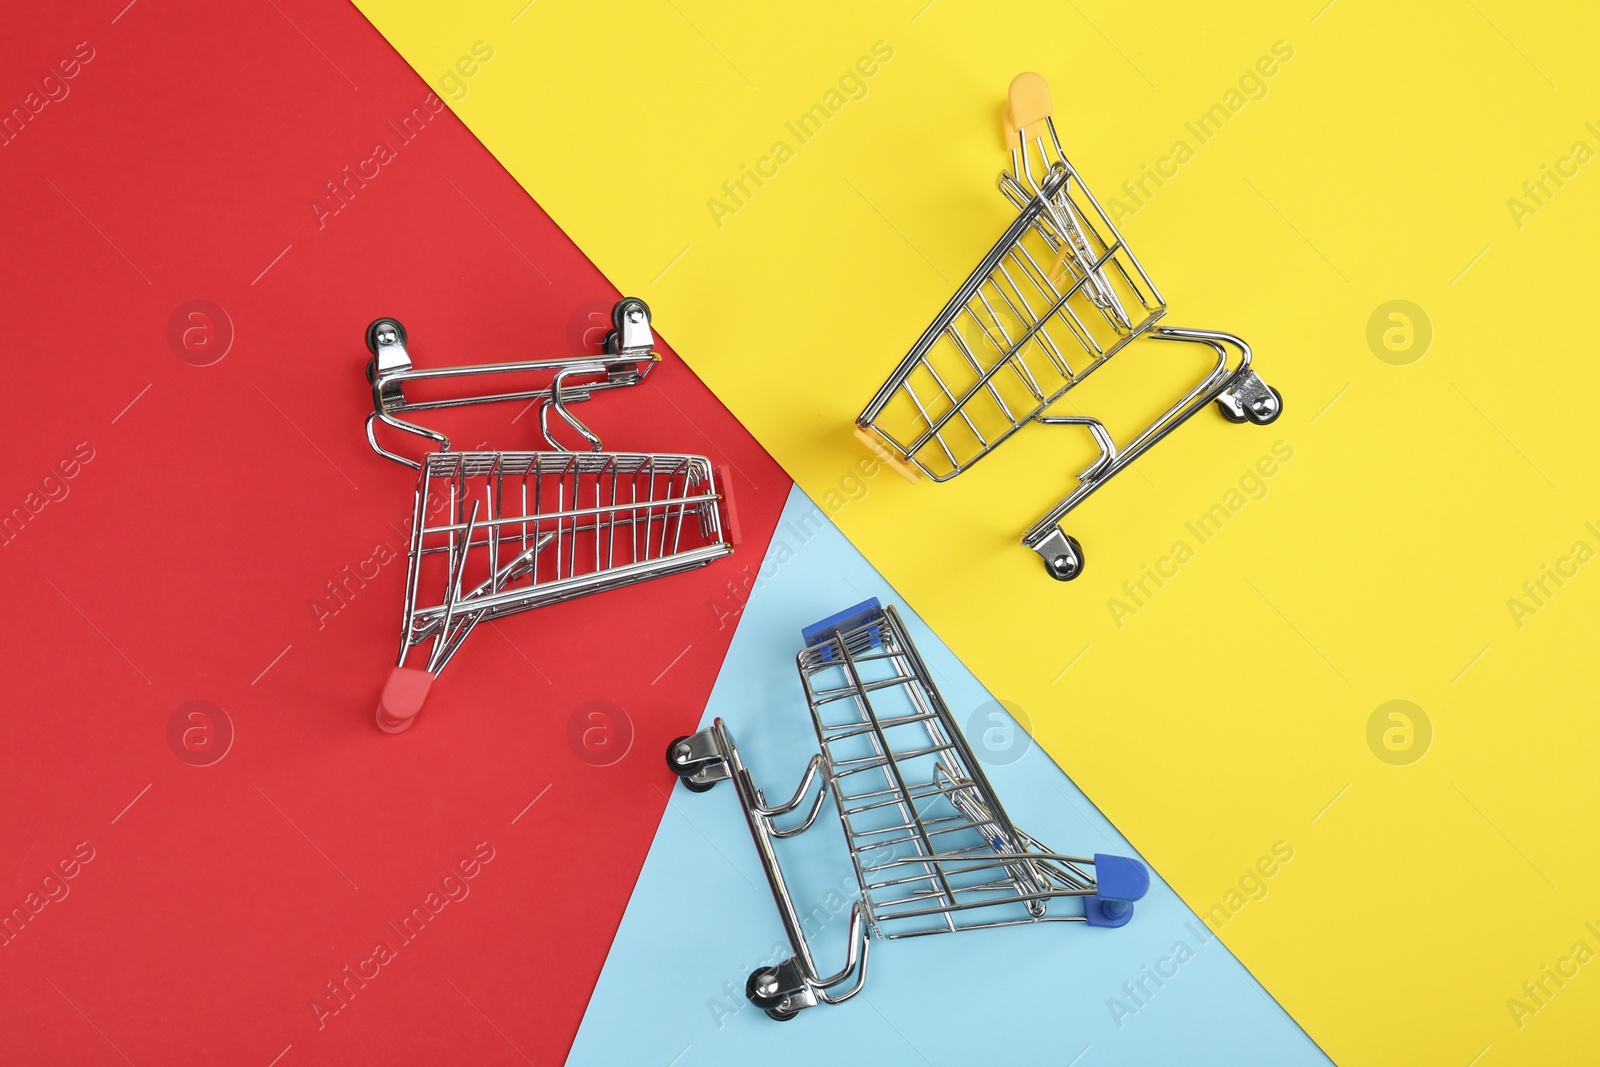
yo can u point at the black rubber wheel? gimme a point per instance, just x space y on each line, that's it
1228 414
1258 420
672 764
1063 570
613 343
372 370
620 308
781 1016
372 333
683 772
764 1002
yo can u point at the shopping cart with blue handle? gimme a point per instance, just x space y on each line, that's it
931 845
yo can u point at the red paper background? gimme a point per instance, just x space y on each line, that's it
183 560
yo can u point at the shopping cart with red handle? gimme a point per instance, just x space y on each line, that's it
495 533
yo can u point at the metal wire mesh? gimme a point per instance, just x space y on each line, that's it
932 847
499 532
1055 297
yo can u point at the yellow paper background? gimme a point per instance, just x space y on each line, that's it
1230 711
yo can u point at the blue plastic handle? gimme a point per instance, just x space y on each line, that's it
851 618
1119 881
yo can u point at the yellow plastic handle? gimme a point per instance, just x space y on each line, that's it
878 448
1027 104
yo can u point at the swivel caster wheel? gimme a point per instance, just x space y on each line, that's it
1063 556
383 331
762 990
1228 412
1264 403
630 309
684 772
1264 411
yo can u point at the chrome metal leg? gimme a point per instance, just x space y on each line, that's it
1238 392
710 756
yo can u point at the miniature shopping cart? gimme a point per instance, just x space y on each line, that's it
1057 296
932 847
493 533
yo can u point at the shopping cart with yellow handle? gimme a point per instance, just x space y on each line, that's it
1057 296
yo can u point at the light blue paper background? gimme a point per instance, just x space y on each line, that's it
701 916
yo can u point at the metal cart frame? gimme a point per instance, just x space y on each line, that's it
503 532
1056 297
932 847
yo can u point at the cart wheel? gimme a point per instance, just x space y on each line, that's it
372 371
1228 414
672 760
612 344
620 310
383 325
683 772
1064 567
765 977
1272 416
781 1015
